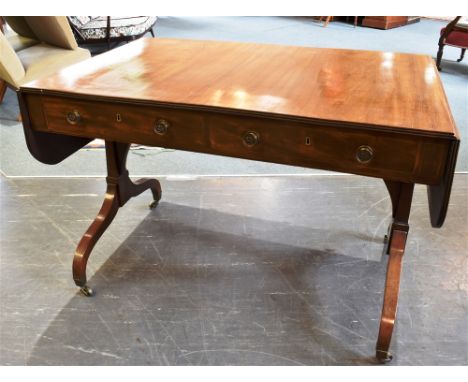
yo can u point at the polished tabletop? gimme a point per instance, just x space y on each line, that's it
363 87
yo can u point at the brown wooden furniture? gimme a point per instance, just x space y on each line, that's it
454 34
329 18
384 22
377 114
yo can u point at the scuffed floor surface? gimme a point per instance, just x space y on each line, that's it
228 271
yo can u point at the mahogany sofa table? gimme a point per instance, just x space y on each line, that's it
376 114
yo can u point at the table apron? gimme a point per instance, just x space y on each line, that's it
390 155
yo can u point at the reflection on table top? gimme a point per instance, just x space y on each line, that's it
364 87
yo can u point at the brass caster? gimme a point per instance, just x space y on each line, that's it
383 356
153 204
87 291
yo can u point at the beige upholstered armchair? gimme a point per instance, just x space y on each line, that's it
37 47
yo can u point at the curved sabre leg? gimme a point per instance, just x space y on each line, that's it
392 287
401 195
143 184
105 216
119 190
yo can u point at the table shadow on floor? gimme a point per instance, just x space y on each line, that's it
190 287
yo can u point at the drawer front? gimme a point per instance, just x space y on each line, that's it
154 126
351 150
393 156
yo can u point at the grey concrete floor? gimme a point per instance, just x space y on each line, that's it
228 271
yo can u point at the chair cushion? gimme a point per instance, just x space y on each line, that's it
120 26
18 42
42 60
458 37
11 69
53 30
20 26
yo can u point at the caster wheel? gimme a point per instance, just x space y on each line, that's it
87 291
384 356
385 239
153 204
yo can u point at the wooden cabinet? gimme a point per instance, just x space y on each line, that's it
384 22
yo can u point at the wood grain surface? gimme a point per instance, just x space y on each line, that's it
364 87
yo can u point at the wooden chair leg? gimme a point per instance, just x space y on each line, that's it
108 26
327 21
462 55
401 195
119 190
440 52
3 89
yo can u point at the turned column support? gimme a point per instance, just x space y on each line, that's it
119 190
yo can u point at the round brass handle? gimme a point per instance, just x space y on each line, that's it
251 138
161 126
73 117
364 154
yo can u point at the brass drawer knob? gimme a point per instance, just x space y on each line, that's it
73 117
161 126
364 154
251 138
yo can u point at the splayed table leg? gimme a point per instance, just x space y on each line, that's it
119 190
401 195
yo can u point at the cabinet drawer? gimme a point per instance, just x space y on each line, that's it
156 126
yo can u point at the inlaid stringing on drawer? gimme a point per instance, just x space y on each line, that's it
148 125
352 150
365 152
